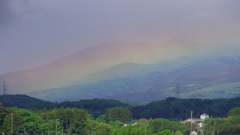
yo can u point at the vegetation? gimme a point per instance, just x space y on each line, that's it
171 108
118 113
224 126
56 119
78 121
23 101
96 107
175 108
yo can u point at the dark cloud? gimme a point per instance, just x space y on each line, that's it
6 13
57 27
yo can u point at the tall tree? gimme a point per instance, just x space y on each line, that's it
234 112
118 113
2 114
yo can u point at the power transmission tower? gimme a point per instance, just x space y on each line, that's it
177 91
4 89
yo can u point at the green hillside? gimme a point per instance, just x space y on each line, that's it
226 90
171 108
23 101
94 106
175 108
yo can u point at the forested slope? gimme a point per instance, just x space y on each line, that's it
171 108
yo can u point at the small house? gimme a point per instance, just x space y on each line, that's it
199 121
132 122
204 116
193 133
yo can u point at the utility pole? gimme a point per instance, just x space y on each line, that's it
191 121
56 127
145 130
11 123
213 132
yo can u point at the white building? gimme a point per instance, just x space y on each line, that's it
204 116
130 123
193 133
199 121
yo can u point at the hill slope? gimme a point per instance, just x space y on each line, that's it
171 108
175 108
94 106
23 101
83 63
218 77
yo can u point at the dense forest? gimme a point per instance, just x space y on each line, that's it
78 121
115 120
170 108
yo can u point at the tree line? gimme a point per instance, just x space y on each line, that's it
69 121
170 108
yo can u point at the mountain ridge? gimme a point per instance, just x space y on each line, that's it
159 83
172 108
78 65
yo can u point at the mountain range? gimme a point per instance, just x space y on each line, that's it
142 83
81 64
137 72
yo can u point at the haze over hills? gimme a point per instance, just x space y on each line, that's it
127 50
212 78
85 62
138 72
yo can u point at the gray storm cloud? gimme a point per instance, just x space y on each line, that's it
56 28
7 14
5 11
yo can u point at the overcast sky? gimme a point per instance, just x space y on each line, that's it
36 32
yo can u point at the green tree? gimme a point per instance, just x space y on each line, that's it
70 120
24 120
192 125
130 130
178 133
99 128
11 123
2 115
234 112
165 132
222 126
159 125
78 124
101 118
229 125
116 124
118 113
143 123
